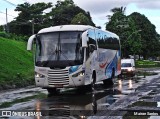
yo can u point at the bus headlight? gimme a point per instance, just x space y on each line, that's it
78 74
38 75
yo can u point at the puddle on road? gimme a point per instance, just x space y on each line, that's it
21 100
130 84
18 94
146 97
152 93
126 86
68 102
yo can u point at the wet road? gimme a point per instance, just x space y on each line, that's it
69 103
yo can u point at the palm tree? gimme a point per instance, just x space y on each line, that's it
119 9
115 10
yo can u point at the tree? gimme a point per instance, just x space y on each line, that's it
134 44
144 43
33 15
1 28
81 19
29 14
119 9
125 28
148 34
65 11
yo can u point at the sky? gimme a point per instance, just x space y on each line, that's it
98 9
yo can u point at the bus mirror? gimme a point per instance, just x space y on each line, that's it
92 47
30 42
80 49
84 39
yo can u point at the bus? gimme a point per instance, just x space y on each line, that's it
69 56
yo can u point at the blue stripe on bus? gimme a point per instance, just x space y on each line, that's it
112 64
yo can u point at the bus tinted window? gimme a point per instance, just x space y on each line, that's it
91 42
108 42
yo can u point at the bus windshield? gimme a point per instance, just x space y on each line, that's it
59 49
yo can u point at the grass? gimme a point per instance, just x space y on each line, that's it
9 104
143 103
147 64
130 114
144 73
16 63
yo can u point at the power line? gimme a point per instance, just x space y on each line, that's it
10 3
26 1
16 5
12 16
8 14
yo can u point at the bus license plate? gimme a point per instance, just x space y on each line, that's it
58 85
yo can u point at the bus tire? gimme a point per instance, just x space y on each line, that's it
81 90
113 77
110 81
52 91
93 81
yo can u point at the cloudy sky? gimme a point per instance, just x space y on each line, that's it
98 9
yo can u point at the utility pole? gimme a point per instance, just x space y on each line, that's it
33 26
7 27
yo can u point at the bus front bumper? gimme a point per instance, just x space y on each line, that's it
47 82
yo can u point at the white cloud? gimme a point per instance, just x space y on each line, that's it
46 1
11 15
149 4
155 20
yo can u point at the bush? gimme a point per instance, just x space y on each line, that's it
4 35
13 36
146 64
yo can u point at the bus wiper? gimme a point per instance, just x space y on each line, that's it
55 52
64 55
61 52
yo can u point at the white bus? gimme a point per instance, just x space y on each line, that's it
74 56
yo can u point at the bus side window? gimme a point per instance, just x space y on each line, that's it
92 45
115 44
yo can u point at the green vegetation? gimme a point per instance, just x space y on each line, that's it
143 103
13 36
62 13
16 64
138 35
130 115
147 64
80 19
144 73
9 104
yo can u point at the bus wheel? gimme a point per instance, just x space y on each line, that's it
52 91
110 81
93 82
113 81
81 90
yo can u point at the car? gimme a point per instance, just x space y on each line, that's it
128 67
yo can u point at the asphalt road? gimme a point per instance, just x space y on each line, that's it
104 102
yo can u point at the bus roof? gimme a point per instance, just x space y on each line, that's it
65 28
111 33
